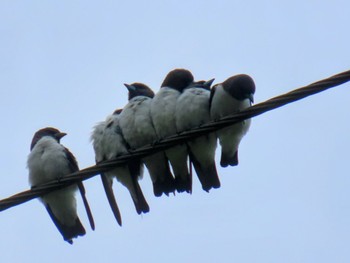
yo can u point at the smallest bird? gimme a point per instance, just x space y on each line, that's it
48 161
229 97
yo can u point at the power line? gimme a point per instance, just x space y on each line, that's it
250 112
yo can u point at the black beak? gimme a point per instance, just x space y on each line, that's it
208 83
130 87
59 135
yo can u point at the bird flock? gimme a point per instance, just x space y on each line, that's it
180 104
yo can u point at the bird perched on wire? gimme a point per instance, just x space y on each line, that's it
136 125
49 161
163 108
192 111
108 142
231 96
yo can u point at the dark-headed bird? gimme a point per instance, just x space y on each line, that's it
163 109
49 161
233 95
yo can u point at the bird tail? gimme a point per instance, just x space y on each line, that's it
177 156
159 170
86 204
207 174
183 184
68 232
140 202
230 138
107 185
128 175
228 158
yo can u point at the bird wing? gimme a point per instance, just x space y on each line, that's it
73 167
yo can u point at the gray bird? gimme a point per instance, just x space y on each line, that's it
109 143
136 125
233 95
192 111
49 161
163 109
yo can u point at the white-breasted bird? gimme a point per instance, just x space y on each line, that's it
231 96
163 108
109 143
136 125
48 161
192 111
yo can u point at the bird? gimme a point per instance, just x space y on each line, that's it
136 125
163 108
108 143
231 96
192 111
47 161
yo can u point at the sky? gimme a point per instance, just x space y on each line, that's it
63 64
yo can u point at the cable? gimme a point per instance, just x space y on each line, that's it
250 112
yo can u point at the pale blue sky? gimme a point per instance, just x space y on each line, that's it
63 64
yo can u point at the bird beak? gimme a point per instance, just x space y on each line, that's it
251 98
208 83
129 87
59 135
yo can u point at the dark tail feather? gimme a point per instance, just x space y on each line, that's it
214 177
68 232
140 202
183 185
167 181
227 160
111 198
177 157
86 204
162 178
164 184
207 176
135 169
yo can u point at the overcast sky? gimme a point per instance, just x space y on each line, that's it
63 64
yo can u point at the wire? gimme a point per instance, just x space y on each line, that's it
250 112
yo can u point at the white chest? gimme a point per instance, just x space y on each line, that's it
47 161
136 124
163 111
223 104
192 109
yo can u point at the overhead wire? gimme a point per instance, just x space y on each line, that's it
168 142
